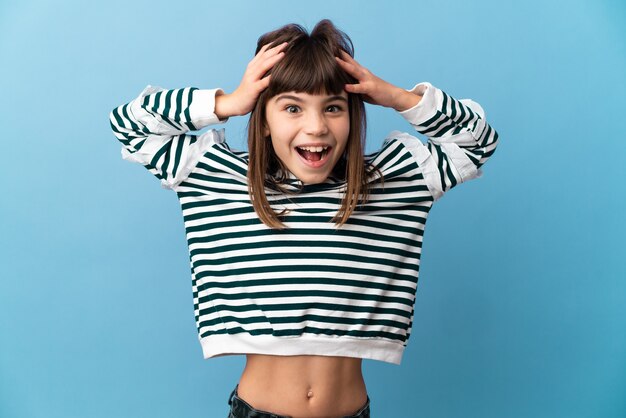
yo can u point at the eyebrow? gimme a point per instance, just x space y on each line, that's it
297 99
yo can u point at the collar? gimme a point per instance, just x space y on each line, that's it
293 183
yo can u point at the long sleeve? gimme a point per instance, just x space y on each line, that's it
152 129
460 140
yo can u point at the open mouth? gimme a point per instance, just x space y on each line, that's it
313 154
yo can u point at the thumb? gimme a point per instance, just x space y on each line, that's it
354 88
265 82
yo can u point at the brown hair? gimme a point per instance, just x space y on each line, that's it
308 66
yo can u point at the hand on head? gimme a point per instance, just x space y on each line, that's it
241 101
373 89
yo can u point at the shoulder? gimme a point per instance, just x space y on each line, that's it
408 142
396 143
396 155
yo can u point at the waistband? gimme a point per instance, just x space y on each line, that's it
243 409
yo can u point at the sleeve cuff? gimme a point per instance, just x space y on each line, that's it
426 108
202 108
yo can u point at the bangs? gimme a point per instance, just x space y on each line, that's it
308 67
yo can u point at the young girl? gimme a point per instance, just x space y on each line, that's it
304 252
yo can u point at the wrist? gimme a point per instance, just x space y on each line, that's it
405 100
224 106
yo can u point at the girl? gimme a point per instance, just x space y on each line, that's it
304 252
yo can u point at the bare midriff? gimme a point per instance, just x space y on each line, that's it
303 386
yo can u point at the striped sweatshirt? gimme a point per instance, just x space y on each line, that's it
313 288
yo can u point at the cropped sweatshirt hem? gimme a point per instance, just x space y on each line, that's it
319 345
313 288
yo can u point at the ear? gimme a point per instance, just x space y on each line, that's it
266 130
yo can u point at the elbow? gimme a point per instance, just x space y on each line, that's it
117 126
114 119
488 148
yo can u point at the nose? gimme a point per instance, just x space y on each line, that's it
315 124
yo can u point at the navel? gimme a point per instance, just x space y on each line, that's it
309 394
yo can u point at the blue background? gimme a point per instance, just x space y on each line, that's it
521 305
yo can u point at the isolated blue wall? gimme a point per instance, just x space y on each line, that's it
521 305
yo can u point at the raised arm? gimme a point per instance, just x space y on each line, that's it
460 140
153 127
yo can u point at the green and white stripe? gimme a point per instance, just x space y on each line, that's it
152 129
312 288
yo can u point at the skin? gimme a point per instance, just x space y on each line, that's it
306 386
301 119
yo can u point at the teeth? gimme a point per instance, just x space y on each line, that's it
314 149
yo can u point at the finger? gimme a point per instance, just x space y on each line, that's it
339 60
267 54
264 66
347 57
343 64
270 51
277 48
355 88
265 49
264 82
258 54
344 53
351 69
350 60
361 91
262 50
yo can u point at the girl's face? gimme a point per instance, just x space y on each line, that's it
320 123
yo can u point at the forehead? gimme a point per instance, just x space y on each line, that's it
309 98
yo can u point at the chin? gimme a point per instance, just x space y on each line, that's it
308 181
312 179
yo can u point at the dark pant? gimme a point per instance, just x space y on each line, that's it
241 409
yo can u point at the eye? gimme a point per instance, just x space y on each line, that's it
292 108
334 108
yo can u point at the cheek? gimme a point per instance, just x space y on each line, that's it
270 121
267 127
281 140
343 130
282 130
274 125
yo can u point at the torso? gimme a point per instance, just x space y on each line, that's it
303 386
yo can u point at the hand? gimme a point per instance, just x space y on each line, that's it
375 90
243 99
